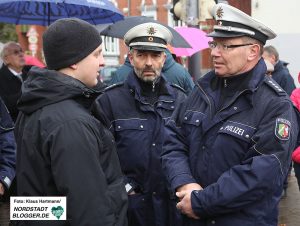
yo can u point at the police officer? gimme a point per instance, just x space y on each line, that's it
136 111
227 149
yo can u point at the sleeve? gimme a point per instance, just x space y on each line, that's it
7 146
295 97
175 156
288 83
296 155
75 153
263 170
189 84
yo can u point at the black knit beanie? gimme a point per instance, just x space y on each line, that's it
67 41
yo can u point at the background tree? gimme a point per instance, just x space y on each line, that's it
8 32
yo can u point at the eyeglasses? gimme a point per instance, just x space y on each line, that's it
16 52
224 47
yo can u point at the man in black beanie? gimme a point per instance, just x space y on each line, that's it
62 149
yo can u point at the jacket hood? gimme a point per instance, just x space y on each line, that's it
44 87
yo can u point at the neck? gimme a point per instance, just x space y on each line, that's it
16 69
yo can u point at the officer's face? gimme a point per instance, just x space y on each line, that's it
233 56
147 64
87 70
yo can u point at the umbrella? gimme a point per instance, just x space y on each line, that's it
45 12
119 29
31 60
195 37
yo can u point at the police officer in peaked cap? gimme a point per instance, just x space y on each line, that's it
227 149
136 112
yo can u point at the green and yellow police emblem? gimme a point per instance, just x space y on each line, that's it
282 130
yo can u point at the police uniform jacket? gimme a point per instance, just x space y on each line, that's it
137 126
239 153
64 151
7 147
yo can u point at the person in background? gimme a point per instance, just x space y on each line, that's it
7 149
270 68
136 111
174 73
62 149
281 73
228 146
12 76
295 97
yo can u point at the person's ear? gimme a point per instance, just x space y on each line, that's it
130 57
254 52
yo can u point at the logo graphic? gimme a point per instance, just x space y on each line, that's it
282 130
151 30
220 12
57 211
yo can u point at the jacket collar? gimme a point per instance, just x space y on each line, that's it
166 92
256 76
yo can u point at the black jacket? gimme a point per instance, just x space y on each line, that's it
64 151
283 77
10 89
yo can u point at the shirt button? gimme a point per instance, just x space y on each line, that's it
247 136
213 222
119 127
197 120
235 108
153 144
203 147
154 193
142 126
185 118
172 107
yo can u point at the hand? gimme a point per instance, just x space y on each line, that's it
132 193
185 205
2 189
184 195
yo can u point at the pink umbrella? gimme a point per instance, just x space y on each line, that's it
31 60
195 37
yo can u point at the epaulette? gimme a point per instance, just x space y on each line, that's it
113 86
272 84
178 87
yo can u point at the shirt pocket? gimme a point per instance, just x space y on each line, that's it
130 124
193 118
237 130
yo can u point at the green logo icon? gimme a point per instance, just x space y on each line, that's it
57 211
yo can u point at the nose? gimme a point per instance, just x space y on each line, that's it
215 51
101 60
149 60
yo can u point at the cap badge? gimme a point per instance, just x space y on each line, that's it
220 12
151 31
220 23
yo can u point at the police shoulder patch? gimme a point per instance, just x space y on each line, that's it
282 129
114 86
273 85
178 87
